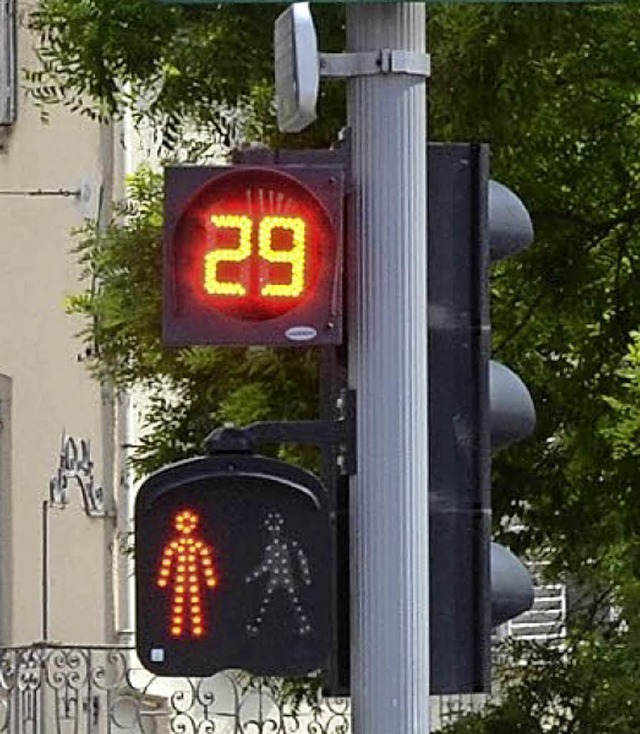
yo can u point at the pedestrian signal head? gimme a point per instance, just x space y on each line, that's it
232 568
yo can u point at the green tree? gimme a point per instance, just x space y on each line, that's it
585 686
195 68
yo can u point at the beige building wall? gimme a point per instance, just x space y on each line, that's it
46 385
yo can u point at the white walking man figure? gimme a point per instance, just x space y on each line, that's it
277 564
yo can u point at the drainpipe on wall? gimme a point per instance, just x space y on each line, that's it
108 400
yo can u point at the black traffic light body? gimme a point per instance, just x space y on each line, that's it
253 255
459 439
232 568
475 407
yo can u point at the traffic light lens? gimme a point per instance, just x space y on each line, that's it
252 244
181 551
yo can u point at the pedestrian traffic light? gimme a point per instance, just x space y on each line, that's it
475 406
232 558
253 255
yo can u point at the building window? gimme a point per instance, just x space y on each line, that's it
8 63
546 621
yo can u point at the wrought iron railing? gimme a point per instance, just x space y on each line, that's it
71 689
54 689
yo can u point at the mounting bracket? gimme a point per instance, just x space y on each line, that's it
339 433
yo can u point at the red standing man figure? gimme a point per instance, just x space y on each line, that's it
186 562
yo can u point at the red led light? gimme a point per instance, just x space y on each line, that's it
253 245
186 615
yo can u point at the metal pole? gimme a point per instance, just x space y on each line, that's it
387 115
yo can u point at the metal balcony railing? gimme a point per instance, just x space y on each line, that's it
55 689
47 688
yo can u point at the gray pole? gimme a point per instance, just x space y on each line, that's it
387 115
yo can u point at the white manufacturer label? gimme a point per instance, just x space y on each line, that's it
301 333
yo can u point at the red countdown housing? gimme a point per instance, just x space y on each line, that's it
253 255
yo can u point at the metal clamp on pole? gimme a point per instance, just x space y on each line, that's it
368 63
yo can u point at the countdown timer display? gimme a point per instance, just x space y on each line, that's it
253 255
